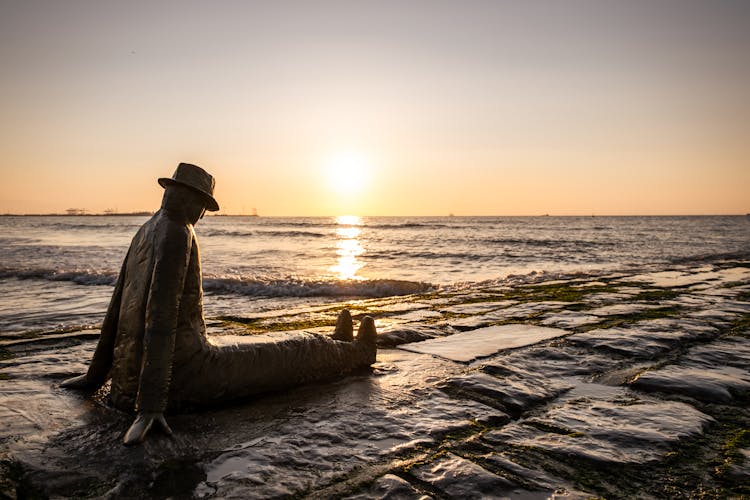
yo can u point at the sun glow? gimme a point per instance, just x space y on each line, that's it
347 172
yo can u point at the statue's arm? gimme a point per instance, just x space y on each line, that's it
102 360
171 259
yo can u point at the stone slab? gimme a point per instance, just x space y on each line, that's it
716 372
614 429
691 278
514 394
645 339
468 346
550 362
403 306
569 319
547 486
389 487
741 471
717 385
394 335
727 351
478 308
457 477
622 309
413 316
516 312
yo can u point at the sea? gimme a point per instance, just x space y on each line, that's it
57 272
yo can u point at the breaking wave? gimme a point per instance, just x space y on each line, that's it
548 242
68 226
79 277
263 232
407 225
321 288
290 287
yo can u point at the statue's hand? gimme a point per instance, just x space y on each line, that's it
79 382
142 424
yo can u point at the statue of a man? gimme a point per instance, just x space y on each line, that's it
153 342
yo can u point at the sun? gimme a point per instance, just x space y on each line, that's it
347 172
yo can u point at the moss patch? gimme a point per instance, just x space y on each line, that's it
656 294
733 284
561 292
22 336
736 439
553 429
480 299
626 319
740 327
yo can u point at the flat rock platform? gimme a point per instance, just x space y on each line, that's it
608 385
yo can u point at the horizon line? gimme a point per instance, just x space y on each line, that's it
450 215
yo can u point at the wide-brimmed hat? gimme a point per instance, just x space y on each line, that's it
195 178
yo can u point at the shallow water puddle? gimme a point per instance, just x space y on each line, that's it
468 346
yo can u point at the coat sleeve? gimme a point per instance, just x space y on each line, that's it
102 360
171 259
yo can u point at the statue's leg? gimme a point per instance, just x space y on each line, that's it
253 367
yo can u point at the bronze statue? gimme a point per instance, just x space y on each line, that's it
153 342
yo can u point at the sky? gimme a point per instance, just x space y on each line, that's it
379 107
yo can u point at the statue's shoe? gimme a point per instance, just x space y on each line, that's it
367 338
367 333
80 382
344 327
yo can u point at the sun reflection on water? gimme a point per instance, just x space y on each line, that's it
348 248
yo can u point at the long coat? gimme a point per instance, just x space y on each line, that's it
153 340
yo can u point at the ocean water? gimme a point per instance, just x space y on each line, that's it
57 272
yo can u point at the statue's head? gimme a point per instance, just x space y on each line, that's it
189 192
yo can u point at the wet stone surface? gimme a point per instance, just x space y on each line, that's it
515 312
470 345
514 393
394 335
478 308
460 478
645 339
711 385
568 319
616 386
388 487
714 374
612 427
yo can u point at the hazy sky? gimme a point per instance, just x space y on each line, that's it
467 107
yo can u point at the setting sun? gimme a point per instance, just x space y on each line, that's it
347 172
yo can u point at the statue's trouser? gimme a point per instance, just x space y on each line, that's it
221 373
